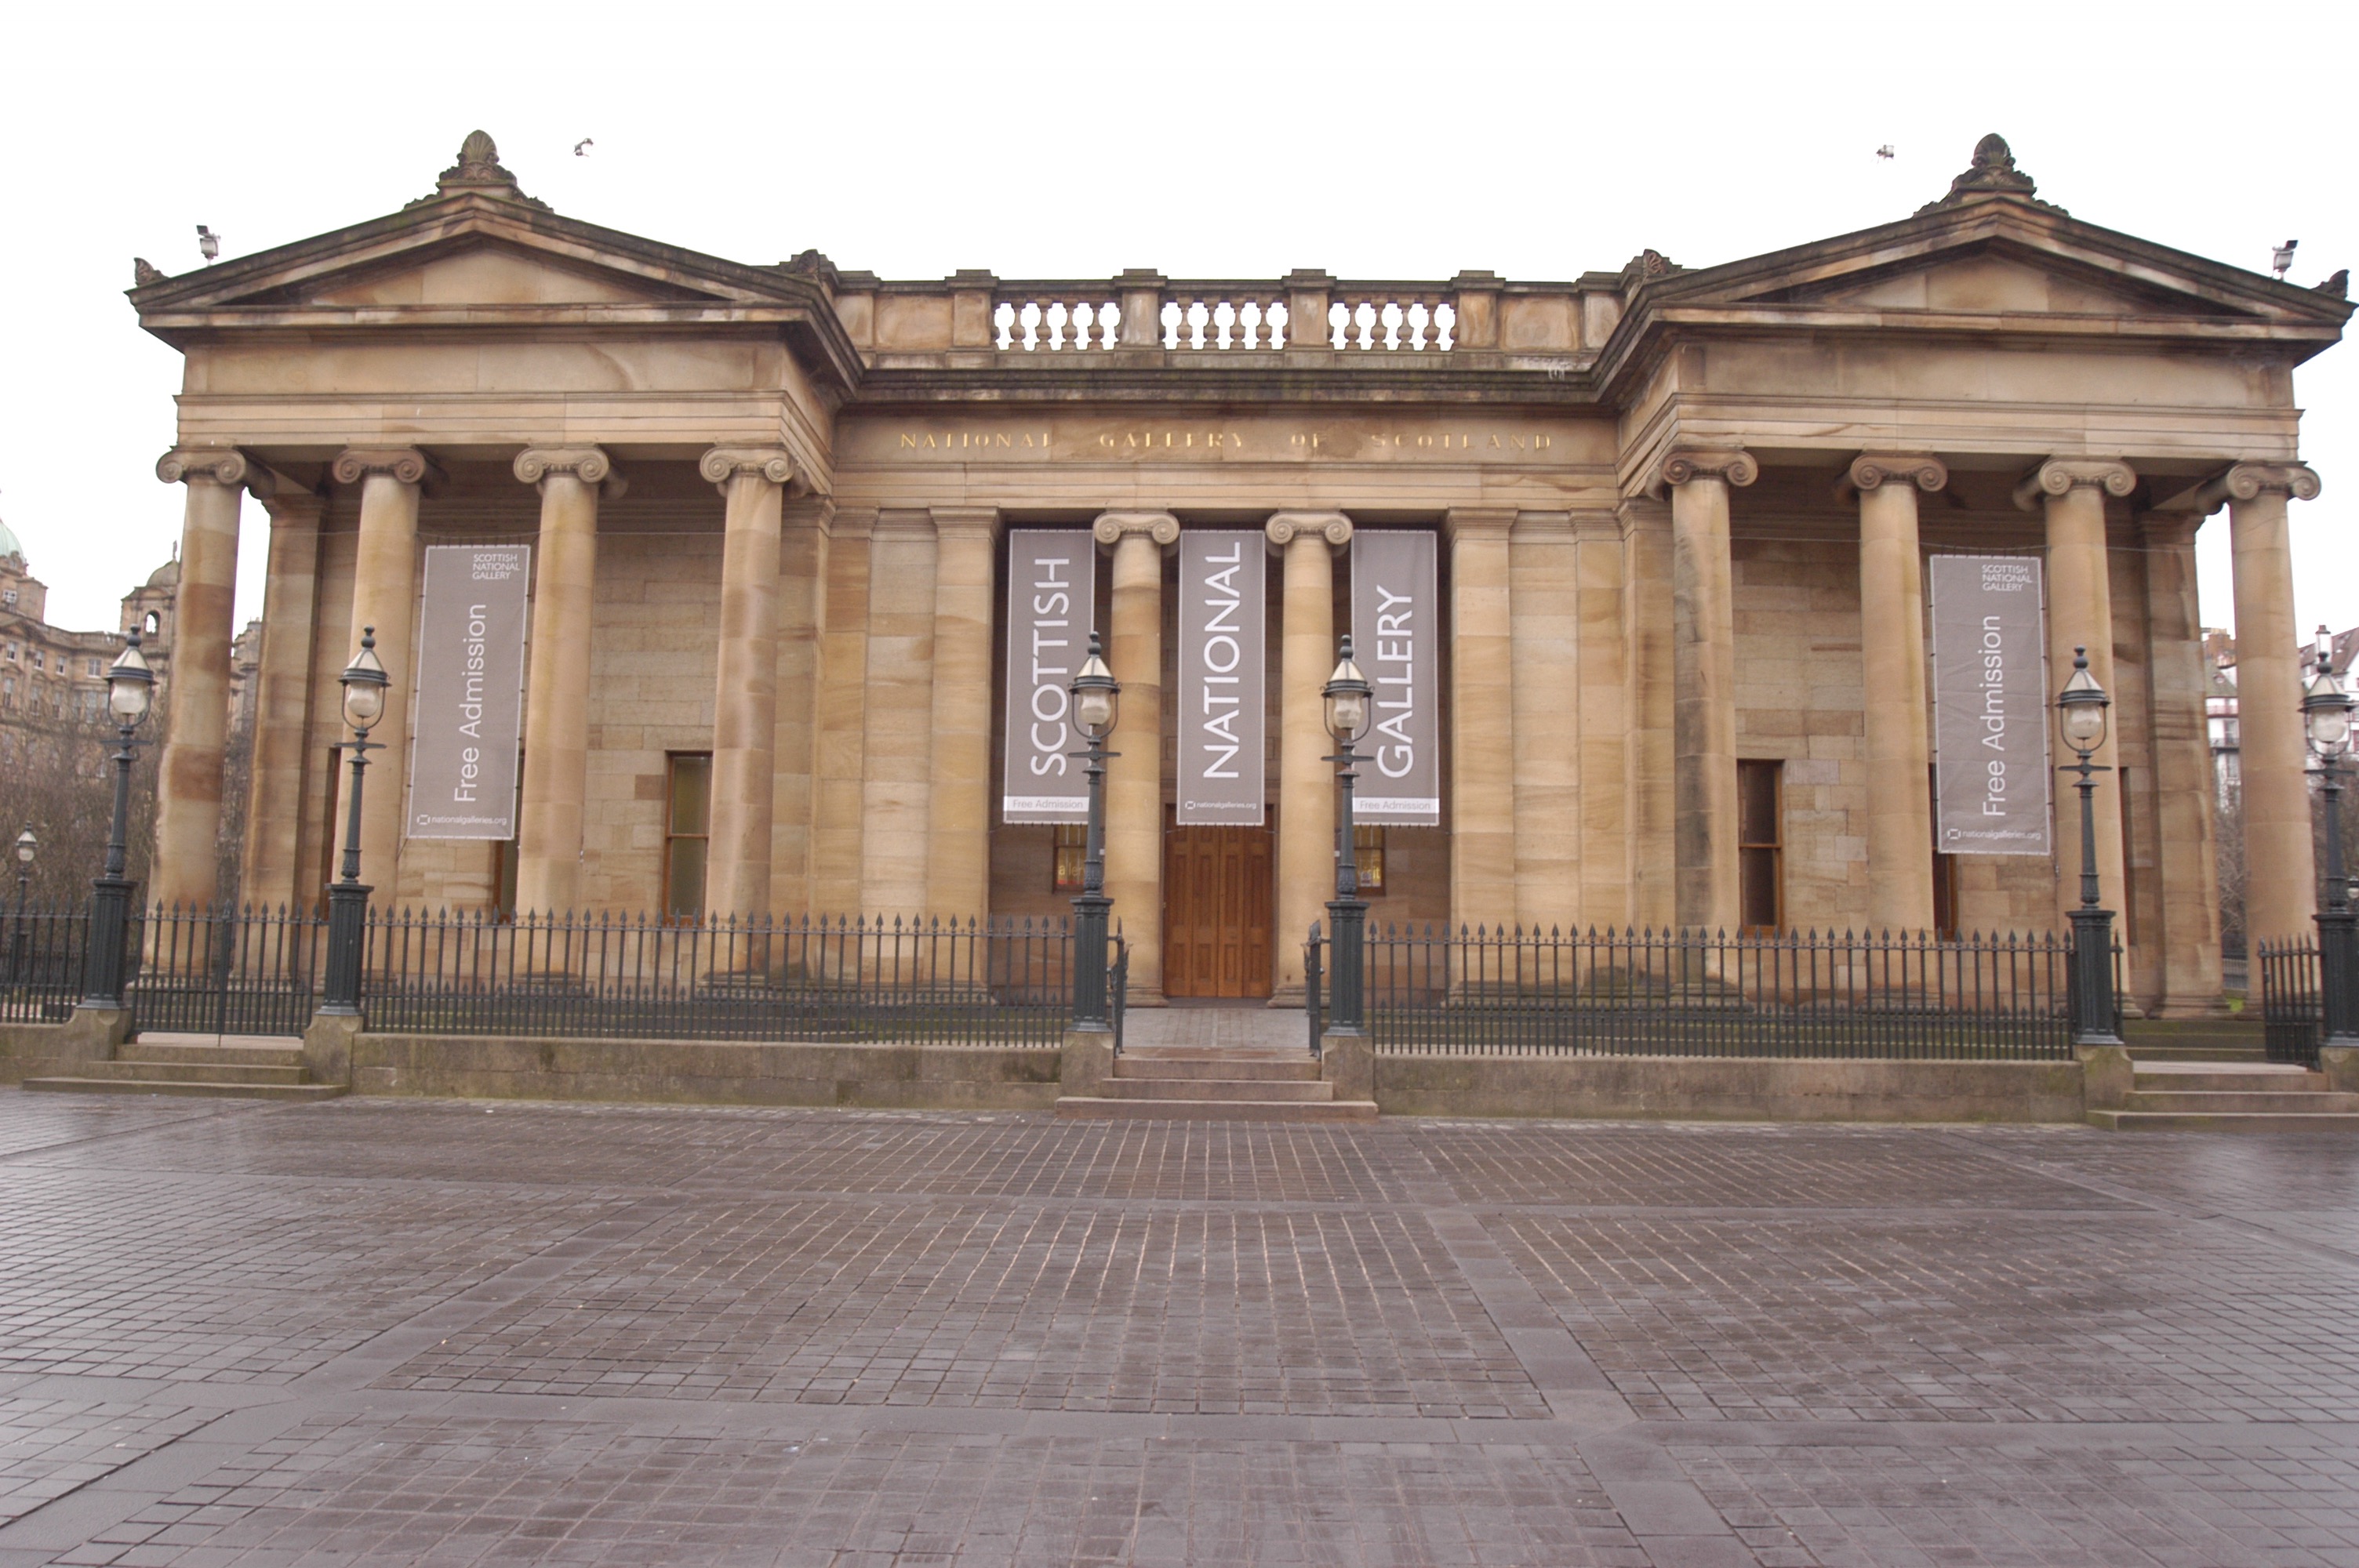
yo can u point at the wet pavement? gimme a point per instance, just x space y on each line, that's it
439 1333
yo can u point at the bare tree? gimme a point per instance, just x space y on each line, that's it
57 776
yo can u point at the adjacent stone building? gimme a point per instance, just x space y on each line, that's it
1683 518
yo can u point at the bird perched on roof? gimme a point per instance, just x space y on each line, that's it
582 148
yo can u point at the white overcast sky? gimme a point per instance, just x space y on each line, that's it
1207 140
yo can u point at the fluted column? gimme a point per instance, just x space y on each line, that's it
189 782
1133 841
752 482
2280 865
1307 543
1482 718
958 864
2081 615
282 702
556 674
1704 703
1892 667
385 595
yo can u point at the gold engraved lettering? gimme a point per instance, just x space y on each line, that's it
908 440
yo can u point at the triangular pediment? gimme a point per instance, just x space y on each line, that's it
1995 279
479 271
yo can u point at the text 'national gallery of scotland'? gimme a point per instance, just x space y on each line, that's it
1733 598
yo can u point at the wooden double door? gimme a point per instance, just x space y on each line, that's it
1218 891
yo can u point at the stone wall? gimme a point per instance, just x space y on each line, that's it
1721 1088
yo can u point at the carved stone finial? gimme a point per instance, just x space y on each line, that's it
144 272
2338 286
1992 173
478 169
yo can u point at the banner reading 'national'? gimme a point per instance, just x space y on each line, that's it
462 763
1396 640
1052 605
1223 662
1990 706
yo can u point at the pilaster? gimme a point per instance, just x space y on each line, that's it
1546 691
1651 757
897 760
1134 841
1482 718
1307 543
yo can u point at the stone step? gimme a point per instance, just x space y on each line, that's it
2243 1031
1216 1089
2225 1121
196 1071
193 1090
1217 1109
1255 1068
2302 1102
148 1049
2228 1077
2196 1053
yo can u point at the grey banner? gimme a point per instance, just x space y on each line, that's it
1052 605
462 762
1990 706
1224 667
1397 638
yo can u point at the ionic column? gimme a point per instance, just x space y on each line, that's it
189 783
1704 703
385 595
1133 841
958 864
2188 907
2081 615
2280 870
282 701
1892 668
1482 718
1306 543
752 482
556 674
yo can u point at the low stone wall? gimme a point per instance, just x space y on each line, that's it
42 1049
937 1077
1722 1088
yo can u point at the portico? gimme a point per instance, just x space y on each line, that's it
1679 517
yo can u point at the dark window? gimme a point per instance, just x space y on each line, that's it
1760 845
1945 872
1368 854
1073 848
687 828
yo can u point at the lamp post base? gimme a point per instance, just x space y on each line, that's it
2093 977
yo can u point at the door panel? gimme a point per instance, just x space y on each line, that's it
1217 920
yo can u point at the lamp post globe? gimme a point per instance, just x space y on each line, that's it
2080 718
130 692
1096 707
2326 709
26 845
365 684
1347 698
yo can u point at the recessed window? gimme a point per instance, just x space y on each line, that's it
688 832
1760 845
1072 848
1368 855
151 625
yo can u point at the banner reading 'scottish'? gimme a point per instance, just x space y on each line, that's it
1052 605
1396 641
1223 662
463 764
1990 706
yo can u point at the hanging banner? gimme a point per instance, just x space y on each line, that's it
1396 640
1051 604
462 758
1990 706
1224 663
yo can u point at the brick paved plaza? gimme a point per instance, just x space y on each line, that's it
407 1332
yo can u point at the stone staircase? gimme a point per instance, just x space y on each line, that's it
2215 1076
232 1066
1216 1064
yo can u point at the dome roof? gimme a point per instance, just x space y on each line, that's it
165 575
8 545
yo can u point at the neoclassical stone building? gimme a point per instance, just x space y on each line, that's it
1681 521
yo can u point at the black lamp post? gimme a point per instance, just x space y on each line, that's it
2080 718
26 845
1097 704
2326 714
1347 914
130 688
364 682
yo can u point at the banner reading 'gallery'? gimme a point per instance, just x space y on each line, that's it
1052 605
1223 662
463 763
1990 706
1396 641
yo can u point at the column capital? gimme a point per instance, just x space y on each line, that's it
1477 523
1283 527
1874 470
591 465
219 465
1111 527
966 522
723 464
1732 465
2062 476
2247 482
406 464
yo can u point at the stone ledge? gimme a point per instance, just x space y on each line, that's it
1725 1088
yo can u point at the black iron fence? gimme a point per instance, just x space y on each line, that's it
224 969
1505 992
2293 1015
41 962
998 982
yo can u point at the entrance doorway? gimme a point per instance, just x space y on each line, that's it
1217 896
